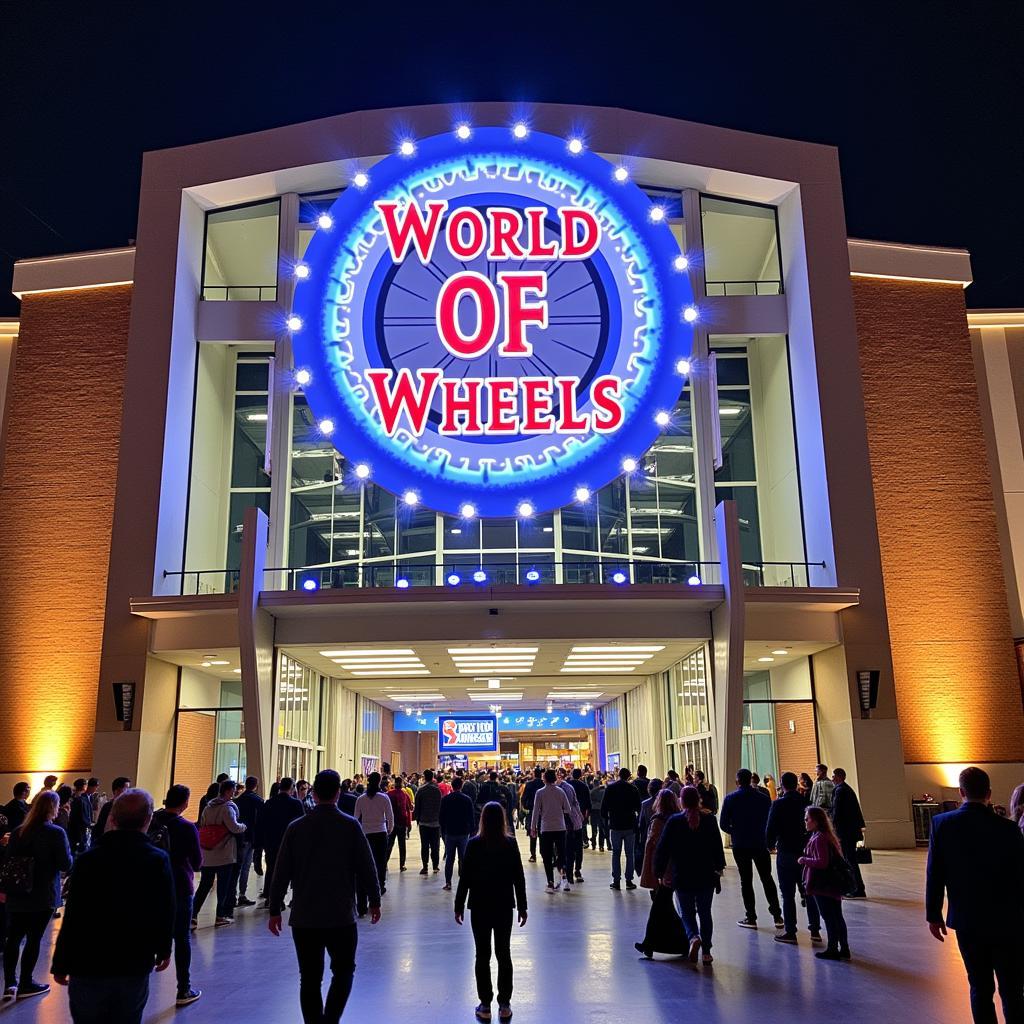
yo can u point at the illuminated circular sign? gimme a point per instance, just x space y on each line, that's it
492 321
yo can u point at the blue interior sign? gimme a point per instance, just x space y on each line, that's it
462 734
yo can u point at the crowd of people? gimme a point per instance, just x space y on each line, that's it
327 848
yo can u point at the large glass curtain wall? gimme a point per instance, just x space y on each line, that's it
343 532
688 714
779 725
300 724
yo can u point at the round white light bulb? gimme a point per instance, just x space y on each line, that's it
325 221
326 427
575 146
362 471
519 130
629 465
662 419
690 314
582 494
361 179
407 147
684 366
468 511
411 498
680 263
294 323
303 377
525 509
301 271
620 174
657 214
463 132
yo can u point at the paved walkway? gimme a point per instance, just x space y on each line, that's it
575 962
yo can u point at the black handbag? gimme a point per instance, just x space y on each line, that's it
17 875
838 874
863 855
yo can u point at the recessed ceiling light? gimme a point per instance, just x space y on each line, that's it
414 698
381 672
600 668
765 659
618 648
356 654
574 695
494 650
484 697
220 661
780 652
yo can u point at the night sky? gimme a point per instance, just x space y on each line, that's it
923 100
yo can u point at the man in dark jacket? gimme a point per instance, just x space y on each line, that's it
529 793
249 804
16 810
785 831
108 946
180 839
492 791
118 786
324 857
79 818
582 791
848 821
425 811
457 820
621 811
642 782
974 860
745 819
275 816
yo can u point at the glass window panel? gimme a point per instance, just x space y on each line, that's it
757 686
249 444
240 261
537 531
499 533
461 534
750 531
236 515
310 529
741 250
579 529
314 458
737 437
380 522
679 530
252 376
732 370
416 531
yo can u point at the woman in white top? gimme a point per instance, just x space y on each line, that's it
375 814
550 809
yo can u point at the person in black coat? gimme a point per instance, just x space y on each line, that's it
119 920
28 913
275 816
848 822
974 862
745 818
457 817
249 804
691 843
492 884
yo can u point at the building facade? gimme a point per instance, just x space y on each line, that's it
795 554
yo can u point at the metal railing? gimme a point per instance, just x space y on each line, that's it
463 571
766 287
240 292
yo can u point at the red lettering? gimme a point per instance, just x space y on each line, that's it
471 217
500 392
575 247
485 296
605 397
535 234
518 312
537 405
570 420
406 224
405 397
467 407
506 224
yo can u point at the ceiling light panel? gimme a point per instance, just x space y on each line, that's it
383 673
618 649
384 652
493 650
600 668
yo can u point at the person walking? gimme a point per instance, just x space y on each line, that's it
691 844
573 830
117 787
119 920
665 933
848 822
249 804
785 832
179 839
492 885
457 818
325 857
582 792
745 818
44 853
826 877
401 810
707 790
550 810
218 828
79 818
374 814
621 810
492 791
598 826
822 788
275 816
647 812
426 809
529 793
974 859
16 810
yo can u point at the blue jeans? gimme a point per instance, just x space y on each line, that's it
453 845
789 873
622 837
693 904
183 940
106 1000
245 852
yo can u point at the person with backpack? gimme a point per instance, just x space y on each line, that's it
37 853
179 839
826 877
218 828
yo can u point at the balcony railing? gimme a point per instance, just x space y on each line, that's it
461 572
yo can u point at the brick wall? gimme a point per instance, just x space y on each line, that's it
957 688
194 755
406 743
798 750
56 509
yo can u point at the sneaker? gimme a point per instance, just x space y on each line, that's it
844 954
195 923
829 954
504 1012
32 988
436 869
424 871
631 885
533 860
788 937
862 895
641 948
579 878
222 921
566 885
447 887
244 901
748 922
779 923
694 949
816 937
550 888
483 1011
616 886
707 959
403 868
189 995
10 992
